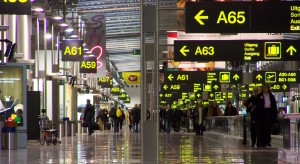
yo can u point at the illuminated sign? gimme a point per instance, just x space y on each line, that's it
72 50
275 77
105 82
220 95
189 77
132 77
275 87
115 90
95 39
122 96
236 50
88 65
242 17
18 7
127 100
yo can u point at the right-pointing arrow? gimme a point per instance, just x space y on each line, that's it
291 50
198 17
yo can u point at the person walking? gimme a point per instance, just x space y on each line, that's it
230 110
136 118
89 116
251 105
214 110
113 116
199 118
168 118
267 114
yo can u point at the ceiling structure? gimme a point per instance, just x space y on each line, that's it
122 26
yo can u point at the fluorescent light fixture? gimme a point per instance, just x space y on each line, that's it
91 55
63 24
88 52
85 49
48 36
73 36
37 9
69 30
57 17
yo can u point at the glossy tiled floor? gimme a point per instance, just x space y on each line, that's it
107 147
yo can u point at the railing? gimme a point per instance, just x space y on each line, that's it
230 125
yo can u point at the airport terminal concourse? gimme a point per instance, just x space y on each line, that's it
149 81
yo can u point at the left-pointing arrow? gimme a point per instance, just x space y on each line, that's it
165 86
199 16
183 50
170 77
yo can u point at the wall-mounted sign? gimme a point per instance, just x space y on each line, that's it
275 77
72 50
115 90
242 17
122 96
132 77
127 100
189 77
18 7
105 82
88 65
237 50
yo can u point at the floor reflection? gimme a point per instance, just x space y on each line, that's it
107 147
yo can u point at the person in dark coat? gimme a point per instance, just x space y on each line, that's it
168 118
113 116
136 118
177 118
230 110
267 109
89 115
251 105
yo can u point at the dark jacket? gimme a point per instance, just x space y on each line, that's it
261 105
177 115
168 115
112 113
136 115
89 113
233 111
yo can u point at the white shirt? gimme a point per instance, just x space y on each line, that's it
267 100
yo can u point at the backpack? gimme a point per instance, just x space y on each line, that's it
119 112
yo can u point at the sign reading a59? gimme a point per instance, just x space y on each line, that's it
14 1
88 64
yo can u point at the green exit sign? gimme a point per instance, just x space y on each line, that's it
136 51
61 82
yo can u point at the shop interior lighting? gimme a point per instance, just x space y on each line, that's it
85 49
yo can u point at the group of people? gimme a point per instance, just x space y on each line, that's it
132 118
194 113
263 111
